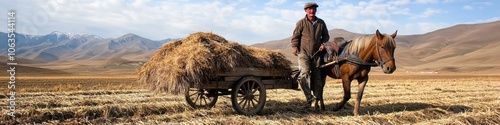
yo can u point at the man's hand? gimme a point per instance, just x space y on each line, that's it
295 51
321 48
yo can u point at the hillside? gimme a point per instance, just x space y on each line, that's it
22 70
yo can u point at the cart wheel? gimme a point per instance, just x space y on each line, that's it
249 96
201 98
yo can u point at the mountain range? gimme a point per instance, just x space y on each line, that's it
60 46
460 48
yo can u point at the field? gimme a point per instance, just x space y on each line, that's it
388 99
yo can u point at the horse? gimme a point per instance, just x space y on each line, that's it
370 50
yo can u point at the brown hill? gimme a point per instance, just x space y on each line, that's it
23 70
461 48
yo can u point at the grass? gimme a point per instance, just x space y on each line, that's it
388 99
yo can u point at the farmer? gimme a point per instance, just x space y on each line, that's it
308 36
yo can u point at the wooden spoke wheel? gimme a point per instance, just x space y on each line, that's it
201 98
249 96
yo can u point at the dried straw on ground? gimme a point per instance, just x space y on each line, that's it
198 57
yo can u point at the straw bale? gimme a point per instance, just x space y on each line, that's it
199 57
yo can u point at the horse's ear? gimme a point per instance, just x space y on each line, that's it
394 34
379 36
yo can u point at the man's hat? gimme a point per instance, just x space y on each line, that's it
310 4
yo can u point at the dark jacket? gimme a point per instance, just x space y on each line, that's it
307 38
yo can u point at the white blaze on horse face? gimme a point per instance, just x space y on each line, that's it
389 64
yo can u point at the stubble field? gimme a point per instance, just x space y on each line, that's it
388 99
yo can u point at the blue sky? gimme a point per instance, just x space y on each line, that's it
244 21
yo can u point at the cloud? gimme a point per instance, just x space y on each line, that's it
345 11
482 3
275 2
400 2
373 8
451 1
399 11
423 27
429 12
426 1
467 7
330 3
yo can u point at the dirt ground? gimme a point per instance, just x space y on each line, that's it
388 99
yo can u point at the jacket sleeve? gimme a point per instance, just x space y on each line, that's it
325 36
297 34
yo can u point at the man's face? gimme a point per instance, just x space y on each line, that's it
311 11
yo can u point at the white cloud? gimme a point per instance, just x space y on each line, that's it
368 26
404 11
426 1
429 12
275 2
400 2
450 1
482 3
330 3
467 7
346 11
374 8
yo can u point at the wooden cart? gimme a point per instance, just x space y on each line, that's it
247 87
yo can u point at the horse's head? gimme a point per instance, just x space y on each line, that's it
384 51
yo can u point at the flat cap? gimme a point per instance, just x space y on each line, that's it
310 4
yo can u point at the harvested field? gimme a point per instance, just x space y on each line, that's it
388 99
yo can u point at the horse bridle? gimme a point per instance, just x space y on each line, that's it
380 61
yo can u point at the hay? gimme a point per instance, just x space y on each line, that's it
199 57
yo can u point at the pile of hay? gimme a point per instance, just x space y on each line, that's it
198 57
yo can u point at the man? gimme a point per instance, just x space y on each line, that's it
308 36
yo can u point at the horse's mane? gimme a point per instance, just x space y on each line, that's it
364 41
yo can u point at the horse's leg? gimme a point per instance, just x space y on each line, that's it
361 87
346 84
317 81
318 90
323 82
315 91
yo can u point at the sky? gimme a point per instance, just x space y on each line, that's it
243 21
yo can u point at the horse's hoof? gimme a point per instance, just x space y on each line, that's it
307 106
336 109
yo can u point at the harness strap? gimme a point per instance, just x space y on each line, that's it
351 58
337 71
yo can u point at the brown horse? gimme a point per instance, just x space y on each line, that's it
378 48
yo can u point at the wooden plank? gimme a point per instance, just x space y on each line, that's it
232 78
217 85
255 72
278 84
